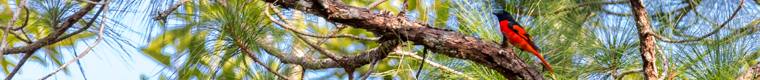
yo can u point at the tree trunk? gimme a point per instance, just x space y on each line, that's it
646 37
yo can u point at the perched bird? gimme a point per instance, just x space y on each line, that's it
514 34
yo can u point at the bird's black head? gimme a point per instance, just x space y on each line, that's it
504 16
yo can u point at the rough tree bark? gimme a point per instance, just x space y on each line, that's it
646 37
441 41
751 74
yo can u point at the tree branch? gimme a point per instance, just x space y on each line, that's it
312 63
403 8
348 67
88 49
251 55
752 73
163 15
20 64
4 43
374 4
624 73
434 64
589 4
646 37
88 25
52 37
288 27
371 68
715 31
91 2
580 5
441 41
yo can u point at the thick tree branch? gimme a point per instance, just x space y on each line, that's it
441 41
646 40
345 62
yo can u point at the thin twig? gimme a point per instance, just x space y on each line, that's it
374 4
88 49
307 62
53 36
371 68
431 63
88 25
419 69
250 54
334 35
10 29
589 4
18 67
91 2
162 16
22 5
320 42
579 6
25 40
80 56
318 48
665 63
26 23
403 8
349 69
287 25
616 13
715 31
624 73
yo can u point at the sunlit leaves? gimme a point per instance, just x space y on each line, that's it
156 47
442 10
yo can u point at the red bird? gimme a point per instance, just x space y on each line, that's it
514 34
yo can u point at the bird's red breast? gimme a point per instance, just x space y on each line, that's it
516 35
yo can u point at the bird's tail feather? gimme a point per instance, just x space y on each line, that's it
546 64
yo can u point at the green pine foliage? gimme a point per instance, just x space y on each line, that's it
581 39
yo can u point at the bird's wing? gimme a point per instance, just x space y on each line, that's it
524 35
